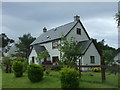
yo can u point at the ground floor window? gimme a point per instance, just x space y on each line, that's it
92 59
55 59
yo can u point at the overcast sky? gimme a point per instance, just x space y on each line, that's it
98 18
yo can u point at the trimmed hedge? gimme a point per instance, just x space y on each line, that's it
18 68
35 72
69 78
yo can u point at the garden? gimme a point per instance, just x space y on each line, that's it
37 76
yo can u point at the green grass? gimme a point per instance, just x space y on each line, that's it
53 81
0 78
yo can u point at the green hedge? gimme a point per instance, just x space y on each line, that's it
69 78
18 68
35 72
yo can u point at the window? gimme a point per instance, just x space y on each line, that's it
54 44
78 31
92 58
55 59
33 59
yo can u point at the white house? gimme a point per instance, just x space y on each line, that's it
117 59
49 39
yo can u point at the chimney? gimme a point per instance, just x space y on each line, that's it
76 18
44 29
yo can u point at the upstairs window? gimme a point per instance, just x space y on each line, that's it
55 44
78 31
92 59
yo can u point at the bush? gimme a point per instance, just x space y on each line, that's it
18 68
69 78
35 72
7 62
47 71
24 61
96 69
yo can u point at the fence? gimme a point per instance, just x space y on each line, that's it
103 68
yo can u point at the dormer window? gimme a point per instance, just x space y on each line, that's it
78 31
55 44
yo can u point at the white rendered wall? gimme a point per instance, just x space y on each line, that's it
73 33
52 52
33 54
92 51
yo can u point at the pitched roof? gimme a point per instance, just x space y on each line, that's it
39 49
84 45
12 50
55 33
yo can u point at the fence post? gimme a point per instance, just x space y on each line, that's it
103 70
79 70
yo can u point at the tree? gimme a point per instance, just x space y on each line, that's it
42 55
70 52
107 52
117 17
7 62
5 40
24 45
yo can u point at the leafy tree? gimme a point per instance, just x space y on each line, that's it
24 45
5 40
42 55
70 52
7 62
117 17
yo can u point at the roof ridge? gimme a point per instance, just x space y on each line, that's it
61 25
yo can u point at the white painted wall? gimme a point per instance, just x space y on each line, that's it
33 54
91 51
73 33
52 52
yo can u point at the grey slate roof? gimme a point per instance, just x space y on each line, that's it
84 45
12 50
39 49
54 33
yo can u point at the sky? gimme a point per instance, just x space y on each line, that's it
20 18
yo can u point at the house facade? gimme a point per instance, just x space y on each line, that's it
49 39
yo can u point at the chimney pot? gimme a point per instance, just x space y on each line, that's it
76 18
44 29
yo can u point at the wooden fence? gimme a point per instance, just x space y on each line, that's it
103 68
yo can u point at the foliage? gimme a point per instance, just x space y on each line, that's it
96 69
24 45
24 61
107 52
70 52
47 71
53 81
18 68
117 17
35 72
69 78
7 62
5 40
42 55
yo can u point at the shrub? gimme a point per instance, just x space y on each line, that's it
24 61
35 72
47 71
69 78
96 69
7 62
18 68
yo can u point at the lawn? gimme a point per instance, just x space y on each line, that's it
0 78
53 81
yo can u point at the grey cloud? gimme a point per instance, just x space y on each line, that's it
19 18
